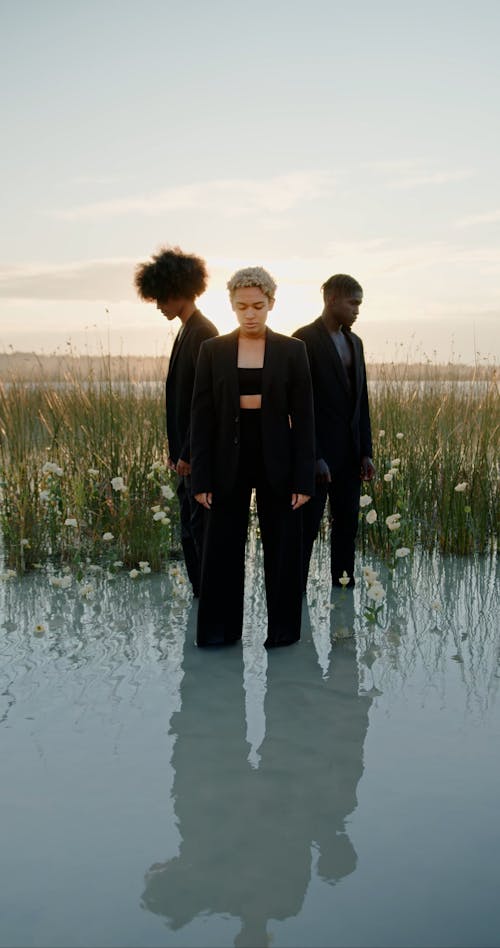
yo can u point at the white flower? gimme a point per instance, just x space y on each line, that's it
117 483
134 573
25 542
70 522
376 592
92 471
156 508
381 433
165 521
402 551
392 521
344 579
365 500
66 569
61 582
107 537
371 516
388 477
157 466
159 515
118 564
394 471
369 575
94 568
86 590
399 435
44 496
167 491
143 563
50 468
145 569
9 574
461 487
395 462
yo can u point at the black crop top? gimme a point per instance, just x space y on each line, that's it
250 381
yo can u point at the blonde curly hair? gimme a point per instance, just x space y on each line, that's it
253 276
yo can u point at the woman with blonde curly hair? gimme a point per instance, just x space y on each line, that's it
252 426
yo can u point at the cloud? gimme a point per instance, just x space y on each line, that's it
109 280
489 217
231 197
435 178
406 174
383 256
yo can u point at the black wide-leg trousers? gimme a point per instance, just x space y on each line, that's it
343 494
220 611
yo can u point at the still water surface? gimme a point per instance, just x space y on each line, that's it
342 792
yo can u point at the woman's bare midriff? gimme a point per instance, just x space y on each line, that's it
250 401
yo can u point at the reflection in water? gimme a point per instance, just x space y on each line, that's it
251 762
248 832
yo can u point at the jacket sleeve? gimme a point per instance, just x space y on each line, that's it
202 424
365 431
302 421
204 332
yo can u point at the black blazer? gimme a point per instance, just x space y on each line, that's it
342 417
180 381
287 416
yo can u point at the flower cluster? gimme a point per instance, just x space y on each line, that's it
375 593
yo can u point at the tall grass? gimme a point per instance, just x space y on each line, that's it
443 436
64 444
62 447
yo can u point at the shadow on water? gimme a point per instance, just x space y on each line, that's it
159 794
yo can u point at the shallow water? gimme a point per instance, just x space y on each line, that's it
344 791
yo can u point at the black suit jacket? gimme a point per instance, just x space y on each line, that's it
342 417
180 381
287 416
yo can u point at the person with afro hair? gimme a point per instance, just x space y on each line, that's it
173 280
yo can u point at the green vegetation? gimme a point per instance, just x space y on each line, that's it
83 475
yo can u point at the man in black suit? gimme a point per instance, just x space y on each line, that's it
173 280
342 422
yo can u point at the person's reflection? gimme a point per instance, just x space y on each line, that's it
246 833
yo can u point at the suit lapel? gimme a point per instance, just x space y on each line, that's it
329 346
270 366
357 364
231 366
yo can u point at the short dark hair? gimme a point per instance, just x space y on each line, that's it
342 285
171 273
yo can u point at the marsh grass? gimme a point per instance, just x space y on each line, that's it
93 430
448 436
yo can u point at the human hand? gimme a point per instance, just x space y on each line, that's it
205 499
298 500
323 475
368 471
183 468
171 463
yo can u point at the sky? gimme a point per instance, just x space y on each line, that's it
310 138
